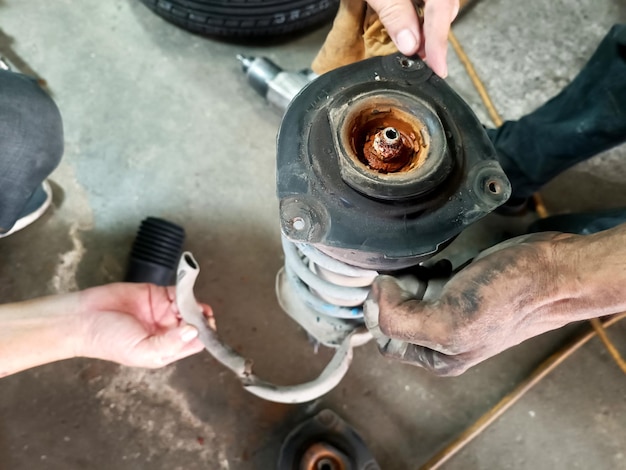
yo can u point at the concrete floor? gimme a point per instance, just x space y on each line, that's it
160 122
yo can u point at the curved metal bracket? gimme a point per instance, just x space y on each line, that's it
191 312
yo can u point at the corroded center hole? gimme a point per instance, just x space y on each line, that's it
391 134
386 139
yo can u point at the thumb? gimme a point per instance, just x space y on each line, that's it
396 307
438 363
386 293
403 317
162 349
400 21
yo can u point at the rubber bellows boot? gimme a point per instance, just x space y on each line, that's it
155 253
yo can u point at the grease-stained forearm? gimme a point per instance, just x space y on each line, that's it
512 292
591 272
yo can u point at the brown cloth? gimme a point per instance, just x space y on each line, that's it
357 34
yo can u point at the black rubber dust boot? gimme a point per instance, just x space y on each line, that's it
155 253
584 119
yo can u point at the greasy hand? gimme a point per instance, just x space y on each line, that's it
135 325
427 37
505 297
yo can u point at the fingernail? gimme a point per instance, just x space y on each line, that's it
406 42
188 333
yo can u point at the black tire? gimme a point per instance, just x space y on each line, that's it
244 18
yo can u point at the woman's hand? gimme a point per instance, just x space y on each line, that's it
135 325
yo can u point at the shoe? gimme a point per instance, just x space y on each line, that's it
35 208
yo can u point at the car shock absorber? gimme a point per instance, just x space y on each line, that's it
380 165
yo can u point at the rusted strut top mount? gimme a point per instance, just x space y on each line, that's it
380 164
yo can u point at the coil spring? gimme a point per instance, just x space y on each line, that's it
328 286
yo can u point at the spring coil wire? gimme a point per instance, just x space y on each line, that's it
326 285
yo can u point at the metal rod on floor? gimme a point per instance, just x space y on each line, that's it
547 366
540 207
476 81
491 109
601 332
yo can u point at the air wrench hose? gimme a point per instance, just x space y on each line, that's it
192 313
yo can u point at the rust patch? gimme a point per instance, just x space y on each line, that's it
320 456
387 150
387 140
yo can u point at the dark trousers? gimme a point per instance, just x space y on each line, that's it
586 118
31 142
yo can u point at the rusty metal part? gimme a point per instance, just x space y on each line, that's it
388 150
410 165
322 456
381 137
325 442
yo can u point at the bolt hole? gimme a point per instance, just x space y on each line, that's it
494 187
391 134
406 63
298 223
326 464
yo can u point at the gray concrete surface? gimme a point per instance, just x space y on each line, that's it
161 122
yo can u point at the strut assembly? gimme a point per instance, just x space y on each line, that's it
380 165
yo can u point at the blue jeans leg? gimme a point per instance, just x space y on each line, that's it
31 142
584 119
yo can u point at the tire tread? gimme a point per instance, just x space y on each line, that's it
244 18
